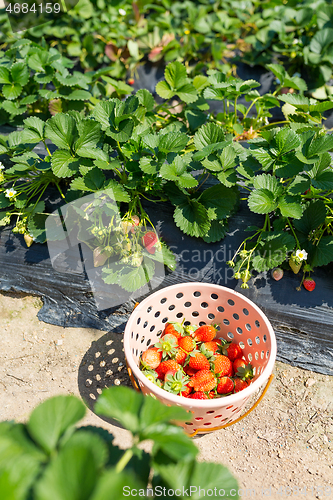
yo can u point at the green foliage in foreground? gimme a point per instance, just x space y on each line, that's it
50 458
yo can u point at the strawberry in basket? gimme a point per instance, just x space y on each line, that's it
191 362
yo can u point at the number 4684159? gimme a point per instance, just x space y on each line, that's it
24 8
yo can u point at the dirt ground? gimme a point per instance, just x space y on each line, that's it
283 449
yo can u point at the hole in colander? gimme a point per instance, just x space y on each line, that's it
148 342
267 354
157 314
214 296
164 320
248 327
198 418
152 328
187 304
256 355
218 328
136 336
241 345
218 416
196 294
226 322
195 314
224 419
187 323
208 423
188 423
142 340
239 330
254 370
235 409
172 307
230 335
235 315
257 339
133 352
149 309
163 300
262 354
179 315
257 323
220 309
145 324
211 316
132 335
245 311
202 323
136 352
249 341
204 305
179 295
231 302
138 321
211 411
228 407
250 357
159 333
264 337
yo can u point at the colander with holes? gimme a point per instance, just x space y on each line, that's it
240 320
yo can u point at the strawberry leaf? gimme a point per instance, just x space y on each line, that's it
192 218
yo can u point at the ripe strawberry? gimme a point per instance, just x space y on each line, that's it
240 384
198 361
221 365
277 273
187 343
186 392
212 395
189 371
225 385
203 380
175 329
198 395
149 240
180 356
295 266
309 284
212 346
131 81
151 358
234 352
238 363
205 333
168 365
243 370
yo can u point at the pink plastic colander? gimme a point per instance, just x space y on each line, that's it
240 320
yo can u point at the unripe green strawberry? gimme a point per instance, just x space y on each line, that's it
294 265
277 273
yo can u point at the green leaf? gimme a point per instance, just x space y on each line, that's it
195 118
20 73
313 216
271 253
12 91
123 404
148 165
217 231
63 163
117 484
116 191
175 74
299 101
269 182
219 199
172 142
324 180
192 218
4 201
94 179
14 108
264 157
89 135
17 478
177 172
278 71
321 40
146 99
172 441
5 75
286 140
75 95
164 91
132 279
228 157
89 440
123 132
34 129
71 475
323 253
154 412
320 145
208 134
52 418
300 184
262 201
290 206
61 130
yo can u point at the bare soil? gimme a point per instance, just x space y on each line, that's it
283 449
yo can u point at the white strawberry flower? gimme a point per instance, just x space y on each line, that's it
122 12
10 193
301 254
2 167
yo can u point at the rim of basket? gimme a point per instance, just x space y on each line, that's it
179 400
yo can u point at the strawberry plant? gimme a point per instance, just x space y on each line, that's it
50 457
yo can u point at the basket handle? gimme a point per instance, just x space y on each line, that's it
131 376
239 418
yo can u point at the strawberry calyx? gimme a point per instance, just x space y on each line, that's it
176 383
245 372
167 345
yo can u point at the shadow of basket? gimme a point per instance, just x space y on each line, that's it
103 366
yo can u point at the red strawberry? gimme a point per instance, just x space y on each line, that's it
151 357
221 365
211 395
180 356
198 395
189 371
205 333
225 385
238 363
212 346
149 240
131 81
187 343
234 352
309 284
199 361
203 380
243 370
277 273
175 329
187 391
168 365
240 384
